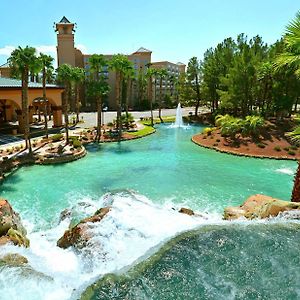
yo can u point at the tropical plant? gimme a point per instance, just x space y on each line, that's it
290 59
23 61
127 120
229 125
129 77
78 76
64 76
120 64
252 125
162 74
47 71
150 75
98 86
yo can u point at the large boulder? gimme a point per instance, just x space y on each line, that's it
79 235
11 228
260 206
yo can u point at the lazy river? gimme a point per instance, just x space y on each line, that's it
144 181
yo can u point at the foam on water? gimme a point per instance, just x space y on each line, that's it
133 226
287 171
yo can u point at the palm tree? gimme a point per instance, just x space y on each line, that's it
23 61
173 81
119 63
64 76
151 73
290 59
47 70
162 74
98 86
78 76
129 77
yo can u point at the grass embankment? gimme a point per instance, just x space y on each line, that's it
169 119
148 129
143 132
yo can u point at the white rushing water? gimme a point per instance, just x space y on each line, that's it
132 227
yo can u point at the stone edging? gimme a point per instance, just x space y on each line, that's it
241 154
62 159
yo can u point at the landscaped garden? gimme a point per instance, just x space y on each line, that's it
160 217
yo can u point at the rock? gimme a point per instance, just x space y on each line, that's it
4 240
186 211
13 259
78 236
11 228
260 206
65 214
18 238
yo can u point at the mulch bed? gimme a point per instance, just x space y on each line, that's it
271 139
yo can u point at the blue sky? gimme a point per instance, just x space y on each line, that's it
174 30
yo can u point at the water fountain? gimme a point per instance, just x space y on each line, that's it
178 120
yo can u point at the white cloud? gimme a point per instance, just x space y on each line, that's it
7 50
49 49
82 48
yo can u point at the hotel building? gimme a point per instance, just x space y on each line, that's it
67 53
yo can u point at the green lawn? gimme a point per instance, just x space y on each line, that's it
169 119
145 131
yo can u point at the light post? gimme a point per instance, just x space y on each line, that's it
104 109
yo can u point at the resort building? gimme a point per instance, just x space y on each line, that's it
141 59
67 53
11 103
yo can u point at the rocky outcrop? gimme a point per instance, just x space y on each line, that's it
13 259
260 206
186 211
11 228
79 235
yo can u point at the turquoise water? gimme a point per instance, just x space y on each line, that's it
165 167
215 262
143 180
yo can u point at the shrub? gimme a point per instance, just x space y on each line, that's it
294 147
76 144
230 126
260 145
56 137
291 152
286 148
215 144
277 148
252 125
218 140
208 130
